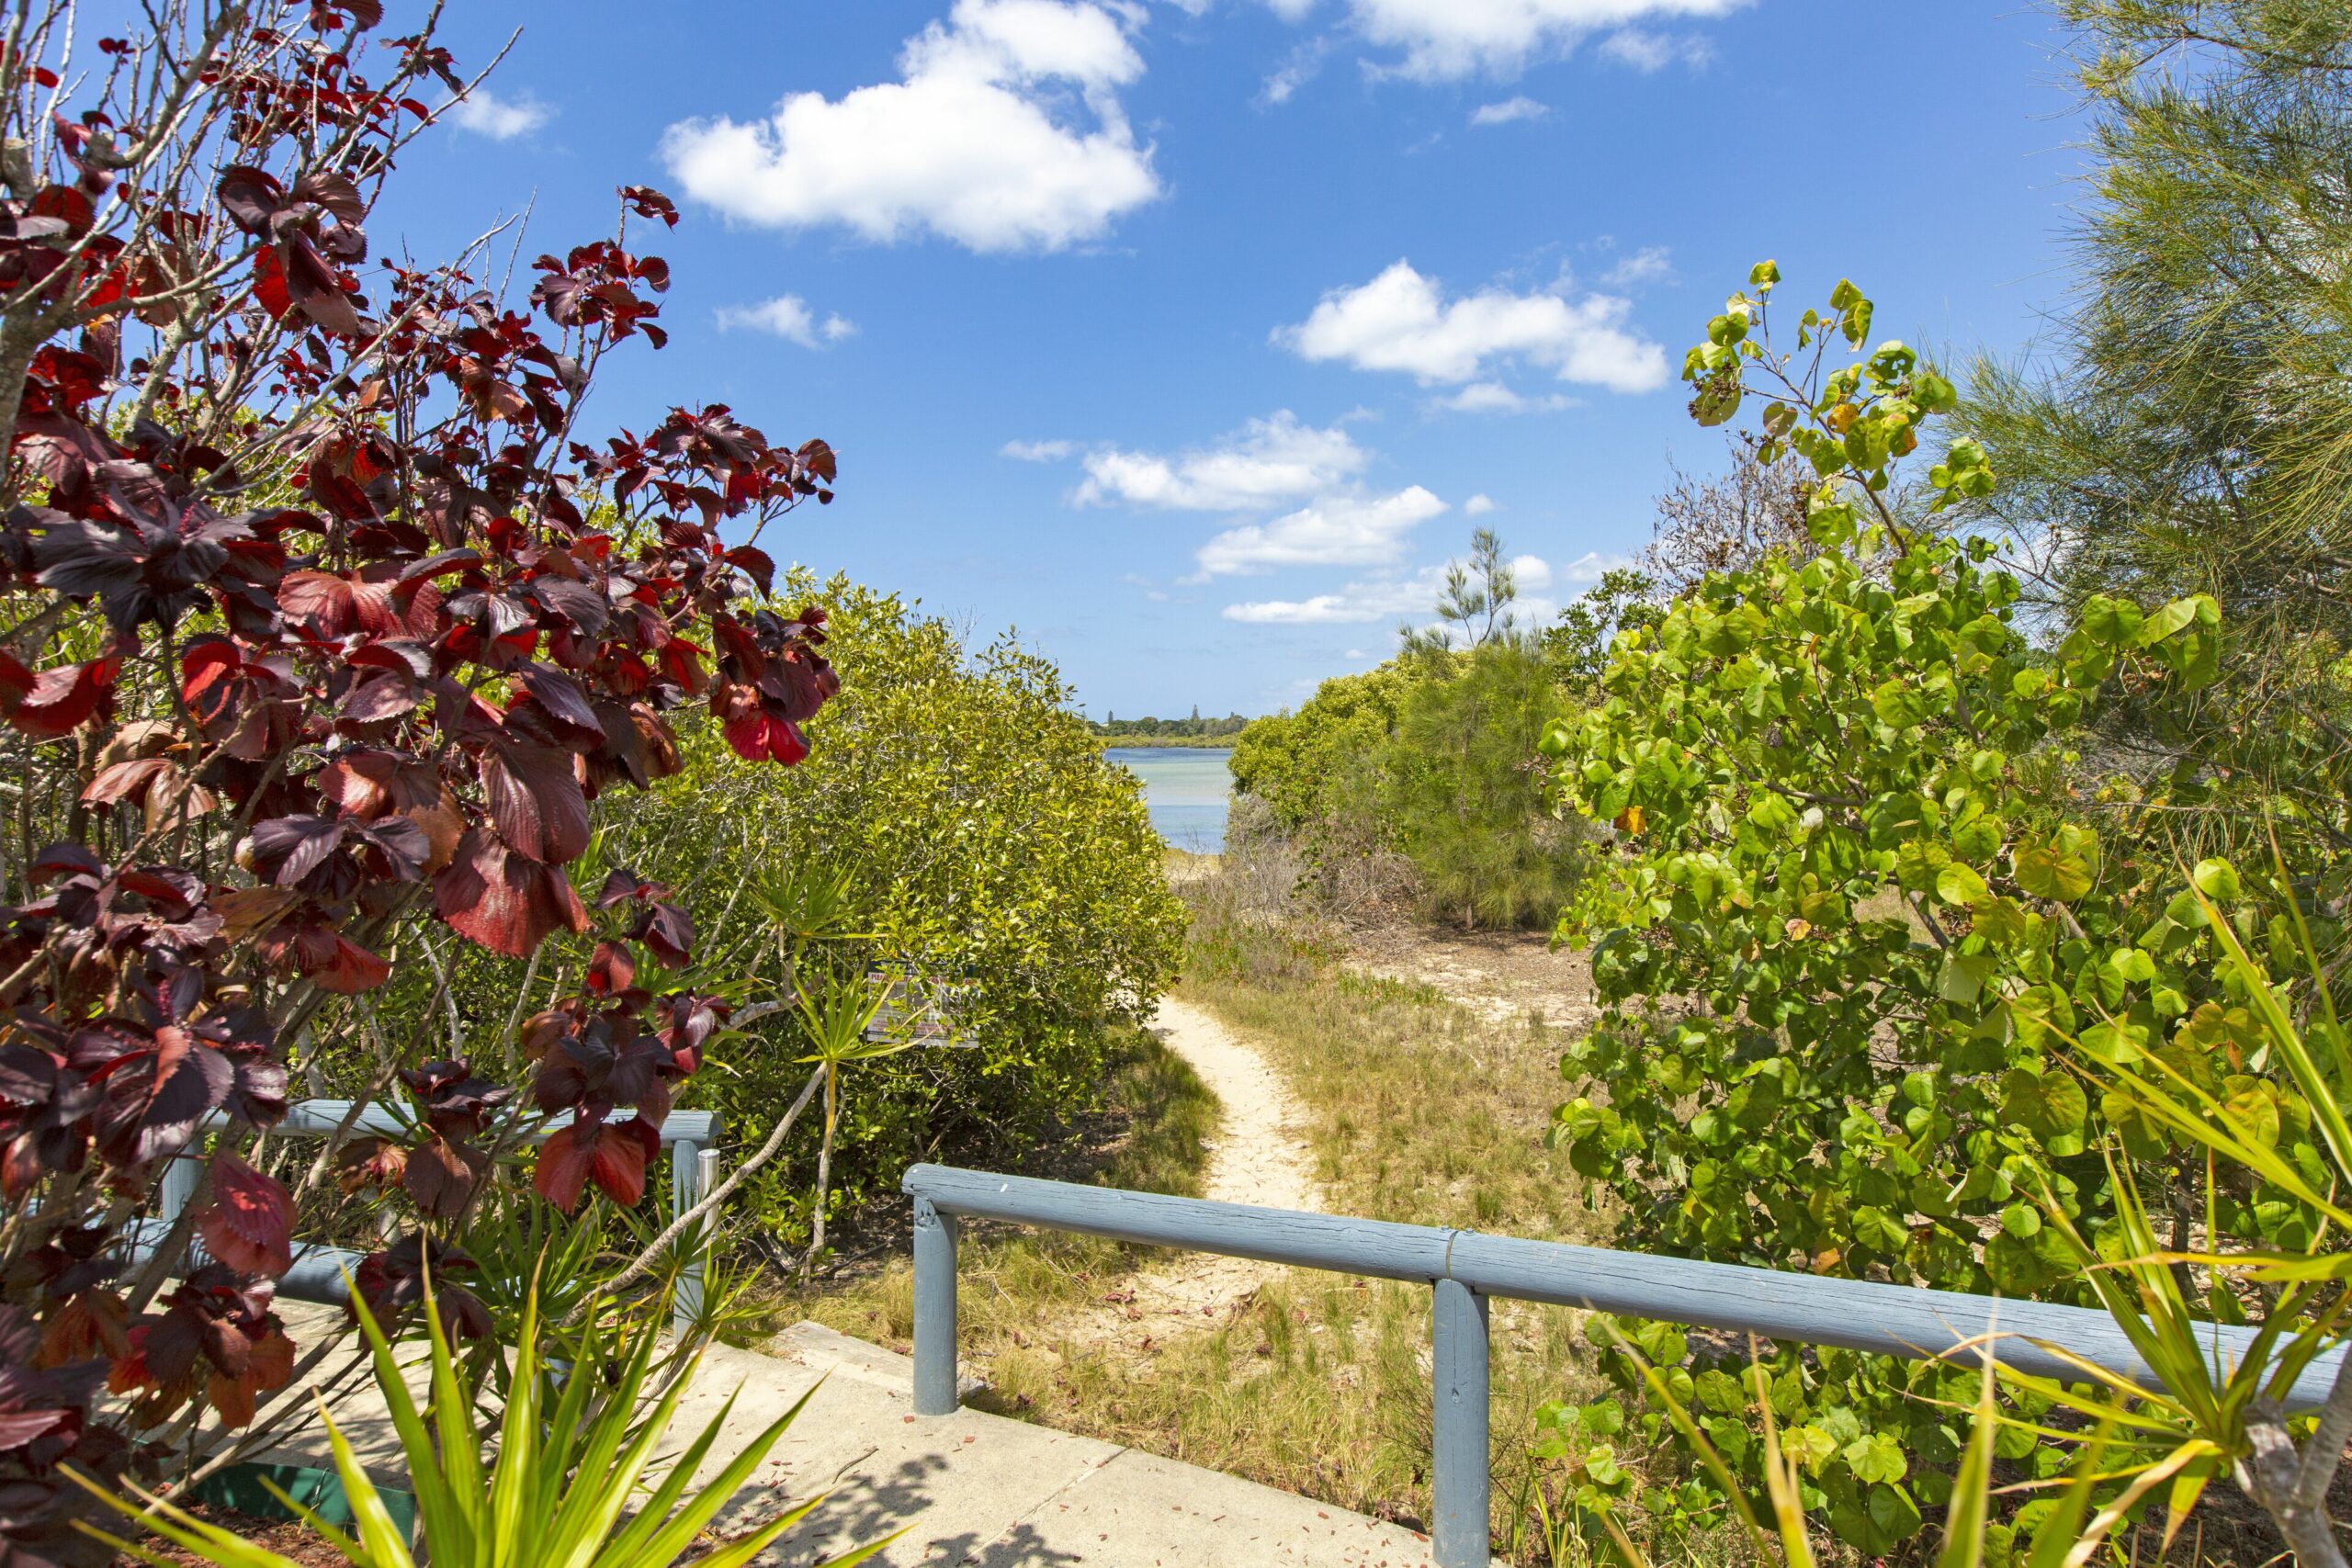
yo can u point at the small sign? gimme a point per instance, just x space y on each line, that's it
919 1006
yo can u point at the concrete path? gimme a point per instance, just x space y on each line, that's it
980 1491
992 1493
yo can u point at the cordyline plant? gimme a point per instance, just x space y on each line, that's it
322 618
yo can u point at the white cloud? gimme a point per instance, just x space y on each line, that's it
1391 599
978 141
1648 264
1478 505
1336 530
1300 67
1590 567
1444 39
1400 321
1507 111
1270 461
1038 451
485 113
1151 591
1648 52
1493 397
1354 605
787 316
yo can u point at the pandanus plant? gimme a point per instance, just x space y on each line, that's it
2258 1087
569 1478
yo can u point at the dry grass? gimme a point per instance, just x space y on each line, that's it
1418 1111
1151 1137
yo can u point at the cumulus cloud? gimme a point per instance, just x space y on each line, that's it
1336 530
1353 605
1410 598
1402 321
1312 477
1478 505
1448 39
1268 462
485 113
786 316
978 142
1037 451
1508 110
1649 51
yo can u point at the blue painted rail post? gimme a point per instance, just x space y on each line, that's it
1464 1269
1458 1456
934 1311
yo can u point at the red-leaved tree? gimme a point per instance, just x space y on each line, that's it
322 618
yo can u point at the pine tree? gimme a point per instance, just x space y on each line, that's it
2196 432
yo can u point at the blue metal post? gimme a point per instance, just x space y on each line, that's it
694 1171
1458 1462
934 1311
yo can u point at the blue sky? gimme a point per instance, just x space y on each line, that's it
1191 339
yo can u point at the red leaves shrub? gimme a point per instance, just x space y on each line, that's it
380 622
249 1224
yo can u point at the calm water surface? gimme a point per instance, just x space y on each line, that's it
1186 788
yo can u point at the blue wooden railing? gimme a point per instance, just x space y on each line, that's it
1464 1269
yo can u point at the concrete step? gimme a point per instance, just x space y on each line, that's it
978 1491
988 1492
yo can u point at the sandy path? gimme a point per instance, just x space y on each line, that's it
1258 1156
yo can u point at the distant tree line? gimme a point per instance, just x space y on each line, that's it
1166 729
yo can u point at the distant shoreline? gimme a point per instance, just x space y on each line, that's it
1167 742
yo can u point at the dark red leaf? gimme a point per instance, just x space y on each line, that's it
507 902
562 1168
249 1224
536 800
61 700
612 970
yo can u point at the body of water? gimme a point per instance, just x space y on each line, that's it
1186 789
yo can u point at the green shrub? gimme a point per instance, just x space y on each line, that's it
1314 768
975 834
1462 780
1431 757
1863 911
